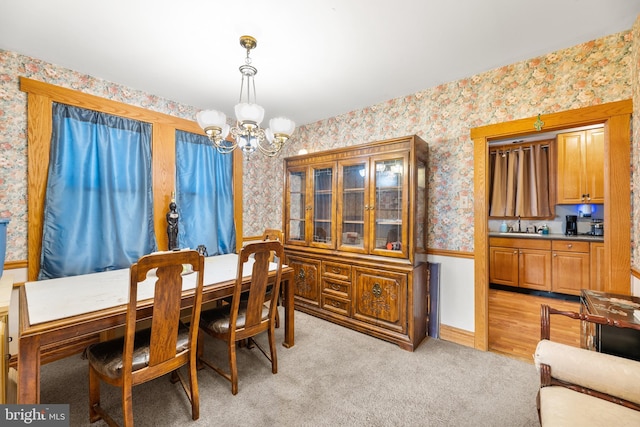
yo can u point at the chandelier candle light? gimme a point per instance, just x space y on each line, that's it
247 133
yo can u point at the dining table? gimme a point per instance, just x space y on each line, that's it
53 312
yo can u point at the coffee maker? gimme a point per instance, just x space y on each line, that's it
571 225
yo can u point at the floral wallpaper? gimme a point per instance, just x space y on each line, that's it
13 130
588 74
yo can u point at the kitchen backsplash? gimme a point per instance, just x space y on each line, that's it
585 214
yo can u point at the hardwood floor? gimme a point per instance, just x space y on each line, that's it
514 323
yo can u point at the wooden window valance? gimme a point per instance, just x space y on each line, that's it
39 124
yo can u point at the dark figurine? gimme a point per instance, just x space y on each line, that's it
172 226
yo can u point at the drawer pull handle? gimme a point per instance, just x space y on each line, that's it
335 270
377 290
336 304
335 287
569 246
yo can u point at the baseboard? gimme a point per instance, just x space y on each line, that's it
458 336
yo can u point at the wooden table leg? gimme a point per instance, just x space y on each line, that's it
29 370
288 313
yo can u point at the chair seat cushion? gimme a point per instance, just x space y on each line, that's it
217 320
560 406
106 357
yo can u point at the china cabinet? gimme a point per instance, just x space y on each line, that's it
355 235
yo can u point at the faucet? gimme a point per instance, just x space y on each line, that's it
519 229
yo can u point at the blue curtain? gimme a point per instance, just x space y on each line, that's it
204 195
98 211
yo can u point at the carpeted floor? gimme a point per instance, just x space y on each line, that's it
331 377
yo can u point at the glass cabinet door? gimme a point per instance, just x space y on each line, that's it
323 206
296 204
420 198
390 194
353 227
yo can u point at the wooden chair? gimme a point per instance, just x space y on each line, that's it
274 234
167 345
244 318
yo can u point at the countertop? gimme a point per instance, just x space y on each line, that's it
553 236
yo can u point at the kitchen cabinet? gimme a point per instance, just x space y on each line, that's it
580 177
354 233
597 278
524 263
555 265
570 265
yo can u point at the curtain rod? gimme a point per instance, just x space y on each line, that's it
501 148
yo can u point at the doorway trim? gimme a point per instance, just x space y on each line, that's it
616 118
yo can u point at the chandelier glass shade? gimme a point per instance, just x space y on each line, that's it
246 134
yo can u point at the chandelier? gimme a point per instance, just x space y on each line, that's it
246 134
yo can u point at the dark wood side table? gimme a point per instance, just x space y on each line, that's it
620 341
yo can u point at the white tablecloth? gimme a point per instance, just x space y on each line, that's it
55 299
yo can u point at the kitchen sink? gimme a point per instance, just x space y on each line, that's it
522 234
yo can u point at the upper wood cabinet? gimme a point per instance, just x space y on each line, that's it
369 199
581 167
309 200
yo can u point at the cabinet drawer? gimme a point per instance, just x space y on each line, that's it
511 242
336 270
336 304
336 287
569 246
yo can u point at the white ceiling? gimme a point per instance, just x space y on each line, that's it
315 58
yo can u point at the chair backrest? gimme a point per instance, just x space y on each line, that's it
263 288
167 297
272 234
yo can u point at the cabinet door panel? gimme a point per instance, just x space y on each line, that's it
323 208
594 170
570 272
503 266
390 211
353 205
306 279
581 167
296 204
380 298
597 280
535 272
570 167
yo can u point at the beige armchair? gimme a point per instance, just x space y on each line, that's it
580 387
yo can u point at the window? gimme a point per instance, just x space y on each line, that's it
98 212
